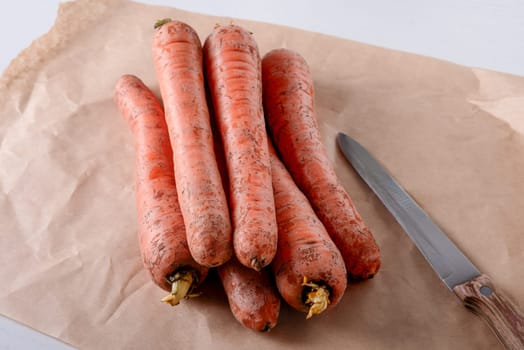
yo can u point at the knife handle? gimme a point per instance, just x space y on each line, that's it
503 317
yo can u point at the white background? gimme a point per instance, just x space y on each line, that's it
481 33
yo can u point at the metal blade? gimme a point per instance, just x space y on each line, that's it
444 256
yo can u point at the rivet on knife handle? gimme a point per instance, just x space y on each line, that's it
500 313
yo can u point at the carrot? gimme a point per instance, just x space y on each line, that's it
177 56
309 269
161 231
233 75
292 120
252 295
253 298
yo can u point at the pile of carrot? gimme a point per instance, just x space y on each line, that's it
231 174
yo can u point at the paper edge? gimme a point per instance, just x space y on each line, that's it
47 335
497 101
71 19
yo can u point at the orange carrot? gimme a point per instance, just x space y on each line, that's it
233 75
292 120
252 295
309 269
161 231
253 298
177 55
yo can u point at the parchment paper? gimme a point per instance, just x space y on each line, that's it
70 265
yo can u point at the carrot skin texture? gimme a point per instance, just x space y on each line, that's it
252 295
161 230
304 246
292 120
233 75
177 56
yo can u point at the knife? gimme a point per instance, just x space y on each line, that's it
474 289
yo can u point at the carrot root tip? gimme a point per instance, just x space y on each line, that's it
317 298
358 278
267 327
257 264
182 284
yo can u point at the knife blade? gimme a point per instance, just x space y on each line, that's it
476 290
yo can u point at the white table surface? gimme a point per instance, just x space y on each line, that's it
480 33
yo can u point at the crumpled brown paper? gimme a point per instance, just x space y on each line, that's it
70 265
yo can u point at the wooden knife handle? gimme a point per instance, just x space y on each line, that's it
504 318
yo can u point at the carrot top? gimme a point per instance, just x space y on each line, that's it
182 285
317 297
161 22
